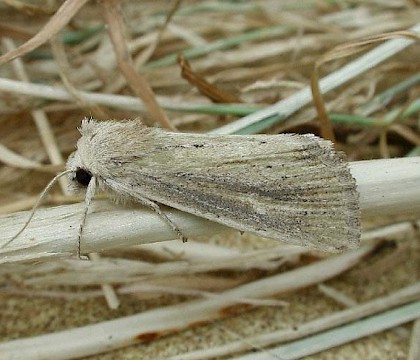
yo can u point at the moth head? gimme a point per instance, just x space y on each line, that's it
80 162
82 177
79 176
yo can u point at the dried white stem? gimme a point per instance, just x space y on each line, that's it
388 186
54 231
336 295
61 94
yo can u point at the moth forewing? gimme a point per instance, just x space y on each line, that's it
289 187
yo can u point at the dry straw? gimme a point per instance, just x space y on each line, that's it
258 58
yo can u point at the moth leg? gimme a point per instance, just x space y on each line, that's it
90 193
155 207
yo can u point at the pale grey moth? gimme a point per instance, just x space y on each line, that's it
294 188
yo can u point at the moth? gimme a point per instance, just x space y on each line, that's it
289 187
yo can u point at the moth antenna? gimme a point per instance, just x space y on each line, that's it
37 202
90 193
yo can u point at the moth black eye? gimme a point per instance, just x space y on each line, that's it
83 177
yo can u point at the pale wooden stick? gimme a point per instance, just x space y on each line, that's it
387 186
